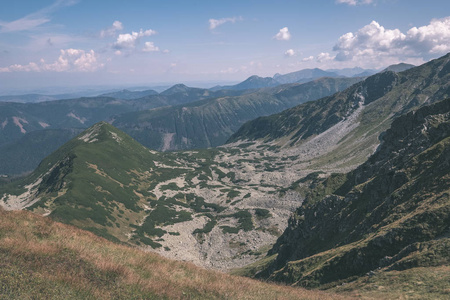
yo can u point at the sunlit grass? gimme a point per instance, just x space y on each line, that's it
42 259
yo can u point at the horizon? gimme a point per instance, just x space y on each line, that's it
79 44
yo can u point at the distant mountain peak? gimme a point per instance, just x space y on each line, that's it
177 88
399 67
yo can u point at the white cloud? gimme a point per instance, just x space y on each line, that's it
214 23
150 47
69 60
130 40
374 40
35 19
324 56
111 31
289 53
354 2
310 58
283 34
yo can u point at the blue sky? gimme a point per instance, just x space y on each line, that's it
81 42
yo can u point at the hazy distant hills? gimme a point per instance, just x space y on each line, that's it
303 75
209 123
33 98
251 83
127 94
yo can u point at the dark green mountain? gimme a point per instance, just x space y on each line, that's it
365 110
390 214
211 122
399 67
303 75
91 182
128 95
24 155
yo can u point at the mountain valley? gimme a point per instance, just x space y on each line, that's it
307 196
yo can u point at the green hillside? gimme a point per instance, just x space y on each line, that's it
366 109
106 182
391 214
210 123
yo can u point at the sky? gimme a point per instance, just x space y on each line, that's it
118 43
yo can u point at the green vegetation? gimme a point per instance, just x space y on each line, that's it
42 259
375 218
207 228
262 213
229 229
210 122
244 219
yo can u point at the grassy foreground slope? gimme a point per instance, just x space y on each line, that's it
42 259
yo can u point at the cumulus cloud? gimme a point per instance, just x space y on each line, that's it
150 47
130 40
283 35
354 2
111 31
289 53
309 58
69 60
324 56
214 23
374 40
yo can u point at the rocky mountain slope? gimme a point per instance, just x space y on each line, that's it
392 213
211 122
206 206
364 111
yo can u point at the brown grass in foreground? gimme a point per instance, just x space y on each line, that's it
42 259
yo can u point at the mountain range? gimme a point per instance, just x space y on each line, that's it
348 191
210 122
220 109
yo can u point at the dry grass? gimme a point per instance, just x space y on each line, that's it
44 259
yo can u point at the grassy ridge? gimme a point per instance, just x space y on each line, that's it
42 259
